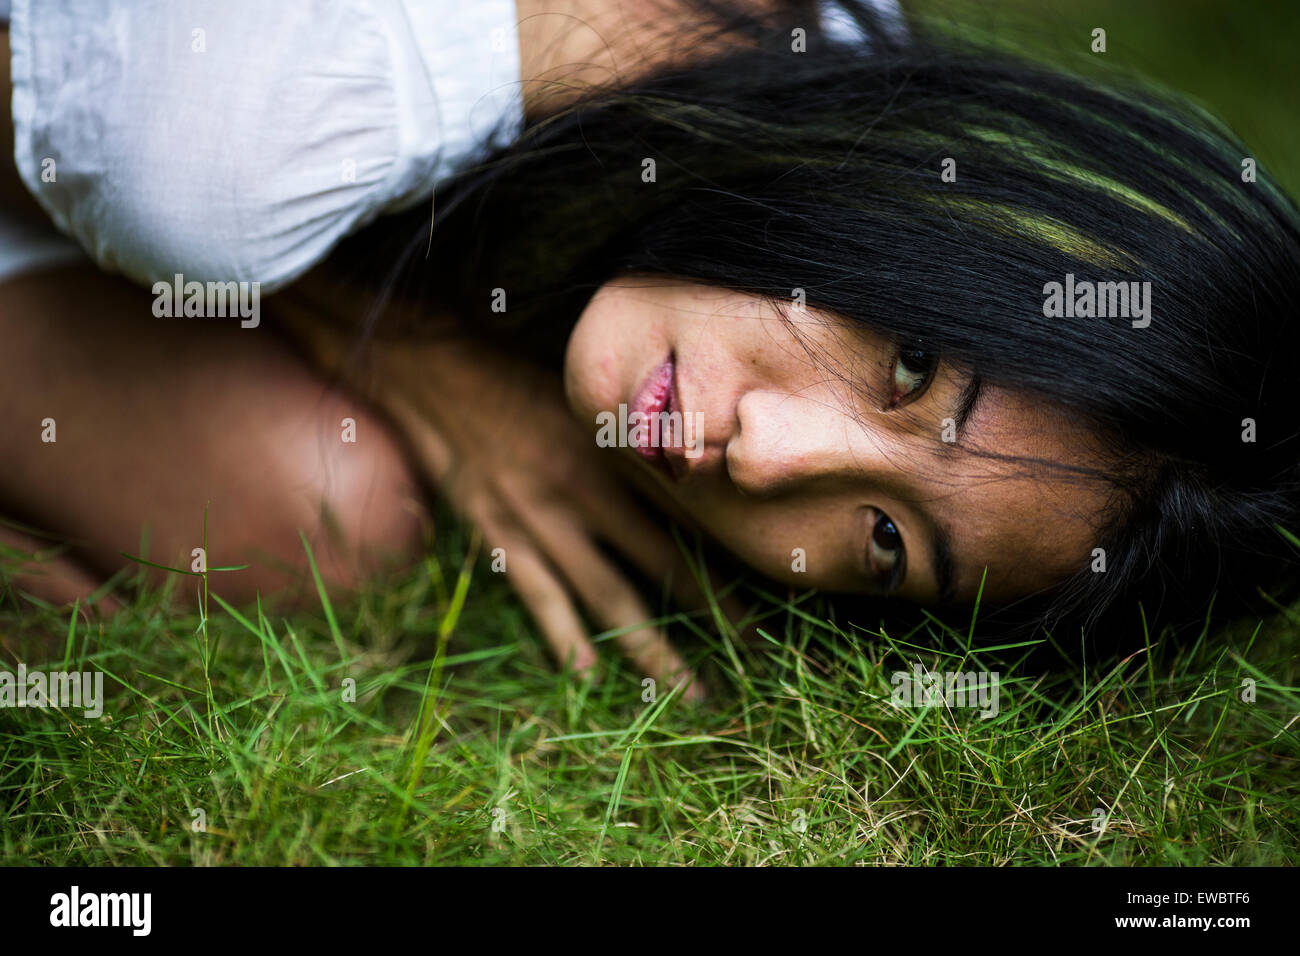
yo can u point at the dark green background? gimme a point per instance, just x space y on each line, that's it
1238 58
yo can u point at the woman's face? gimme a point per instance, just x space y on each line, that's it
824 458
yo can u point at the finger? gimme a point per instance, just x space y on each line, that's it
607 595
621 522
432 452
538 586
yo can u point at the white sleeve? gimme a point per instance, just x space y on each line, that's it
240 139
840 26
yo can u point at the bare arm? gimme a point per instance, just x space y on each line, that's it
566 46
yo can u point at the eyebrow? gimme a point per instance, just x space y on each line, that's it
966 402
945 567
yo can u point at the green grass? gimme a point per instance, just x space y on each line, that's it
465 746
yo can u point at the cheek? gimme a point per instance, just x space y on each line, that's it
797 546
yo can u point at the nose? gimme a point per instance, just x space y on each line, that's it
785 443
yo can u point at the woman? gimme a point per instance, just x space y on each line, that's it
938 324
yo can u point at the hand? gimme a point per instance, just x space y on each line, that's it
495 435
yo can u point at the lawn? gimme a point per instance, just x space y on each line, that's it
236 737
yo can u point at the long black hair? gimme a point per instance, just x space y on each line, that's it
823 169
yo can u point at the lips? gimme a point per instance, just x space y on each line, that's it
656 396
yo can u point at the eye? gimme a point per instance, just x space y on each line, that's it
885 551
912 371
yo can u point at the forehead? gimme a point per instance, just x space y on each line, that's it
1013 498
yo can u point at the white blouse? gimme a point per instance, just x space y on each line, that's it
241 139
